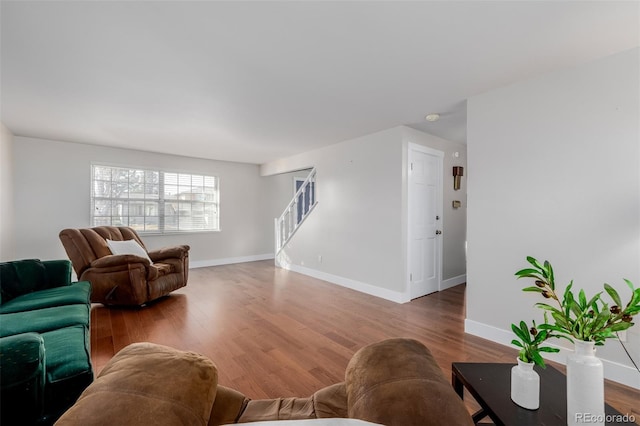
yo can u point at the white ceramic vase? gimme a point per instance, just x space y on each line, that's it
525 385
585 386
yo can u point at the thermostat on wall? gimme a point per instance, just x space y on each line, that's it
456 204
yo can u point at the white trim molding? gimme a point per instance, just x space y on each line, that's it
453 281
383 293
229 260
612 370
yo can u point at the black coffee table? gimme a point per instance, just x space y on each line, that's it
490 385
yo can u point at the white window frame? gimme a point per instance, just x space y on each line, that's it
156 191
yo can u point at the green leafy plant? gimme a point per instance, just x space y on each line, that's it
581 318
529 343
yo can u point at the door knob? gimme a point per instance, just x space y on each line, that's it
438 232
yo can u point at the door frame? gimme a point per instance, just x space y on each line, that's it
439 211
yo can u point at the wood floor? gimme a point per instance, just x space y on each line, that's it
276 333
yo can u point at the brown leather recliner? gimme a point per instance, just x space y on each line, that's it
124 279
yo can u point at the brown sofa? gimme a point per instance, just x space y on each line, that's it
393 382
124 279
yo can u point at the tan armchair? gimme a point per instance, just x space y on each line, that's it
124 279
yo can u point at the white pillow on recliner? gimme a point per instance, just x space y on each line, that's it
128 247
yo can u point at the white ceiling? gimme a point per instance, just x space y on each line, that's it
256 81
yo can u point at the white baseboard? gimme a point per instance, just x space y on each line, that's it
229 260
383 293
612 370
452 282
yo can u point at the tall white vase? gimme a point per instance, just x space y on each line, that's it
585 386
525 385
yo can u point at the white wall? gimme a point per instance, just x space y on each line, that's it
356 236
554 173
356 226
52 192
7 234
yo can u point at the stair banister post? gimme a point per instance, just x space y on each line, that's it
276 238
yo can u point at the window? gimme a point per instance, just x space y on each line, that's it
153 201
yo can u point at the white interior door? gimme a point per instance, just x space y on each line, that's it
425 220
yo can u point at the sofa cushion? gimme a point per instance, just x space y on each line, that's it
68 367
42 320
258 410
147 383
21 277
316 422
68 353
76 293
329 402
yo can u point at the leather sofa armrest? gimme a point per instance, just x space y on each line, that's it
169 252
118 260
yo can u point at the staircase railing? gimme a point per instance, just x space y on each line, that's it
296 212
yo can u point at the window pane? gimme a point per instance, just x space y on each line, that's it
184 179
197 180
102 173
171 216
171 178
102 208
170 192
151 208
170 209
101 188
152 184
120 183
210 210
137 223
184 209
